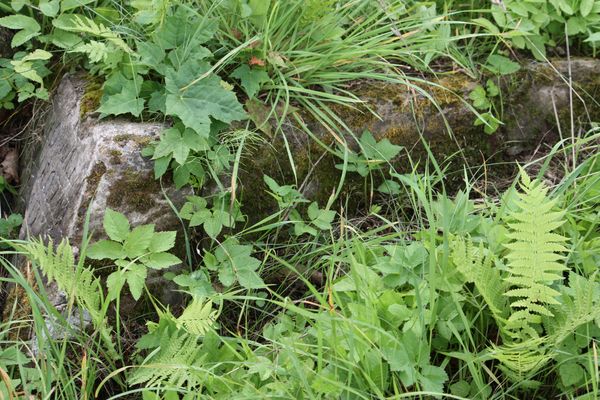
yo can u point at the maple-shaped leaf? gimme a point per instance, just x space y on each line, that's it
196 102
121 96
251 78
178 145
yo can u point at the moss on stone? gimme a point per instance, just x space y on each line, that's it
90 101
134 191
115 156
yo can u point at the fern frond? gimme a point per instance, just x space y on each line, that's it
80 284
580 305
520 361
198 317
175 363
476 265
534 258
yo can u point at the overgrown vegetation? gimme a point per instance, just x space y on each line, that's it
427 295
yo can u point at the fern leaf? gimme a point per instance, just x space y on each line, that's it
79 284
174 364
475 264
534 258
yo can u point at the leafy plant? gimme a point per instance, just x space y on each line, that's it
133 251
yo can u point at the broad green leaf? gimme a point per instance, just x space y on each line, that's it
479 98
501 65
162 241
195 105
138 241
127 100
586 7
49 8
212 227
115 225
136 279
160 260
433 379
251 79
29 28
571 373
114 283
105 249
249 279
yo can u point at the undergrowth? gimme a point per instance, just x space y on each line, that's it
427 295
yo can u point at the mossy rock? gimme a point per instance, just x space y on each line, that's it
437 113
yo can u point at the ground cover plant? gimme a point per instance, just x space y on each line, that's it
427 294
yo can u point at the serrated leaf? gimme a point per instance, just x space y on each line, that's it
249 279
162 241
136 279
127 100
138 241
433 378
105 249
161 260
115 225
212 227
195 105
251 79
114 283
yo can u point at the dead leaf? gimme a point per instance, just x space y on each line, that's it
256 61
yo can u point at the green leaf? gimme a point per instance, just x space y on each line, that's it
135 275
28 26
124 102
114 283
249 279
138 241
178 145
479 98
162 241
320 218
161 260
594 37
116 225
105 249
571 373
501 65
586 7
49 8
195 105
251 79
433 379
213 226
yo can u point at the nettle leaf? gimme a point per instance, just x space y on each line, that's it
135 275
251 79
184 28
28 28
116 225
195 104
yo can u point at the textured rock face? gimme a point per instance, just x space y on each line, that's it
532 100
80 164
87 163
